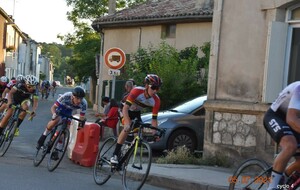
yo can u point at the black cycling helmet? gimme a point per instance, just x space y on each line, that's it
153 80
78 92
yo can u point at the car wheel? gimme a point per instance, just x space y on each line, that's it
182 138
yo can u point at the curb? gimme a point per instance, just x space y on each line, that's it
180 184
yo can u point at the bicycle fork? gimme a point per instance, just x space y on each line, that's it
140 167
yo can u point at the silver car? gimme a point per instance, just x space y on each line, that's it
184 125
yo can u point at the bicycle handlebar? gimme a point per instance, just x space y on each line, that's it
71 117
161 132
21 109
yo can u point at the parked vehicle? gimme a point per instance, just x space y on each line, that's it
184 125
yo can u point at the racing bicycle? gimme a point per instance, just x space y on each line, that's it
9 132
255 174
134 162
56 143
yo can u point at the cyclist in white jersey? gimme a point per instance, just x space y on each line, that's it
282 121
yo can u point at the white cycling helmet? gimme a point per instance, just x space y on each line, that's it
31 80
20 78
4 79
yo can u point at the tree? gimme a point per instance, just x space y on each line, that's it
179 71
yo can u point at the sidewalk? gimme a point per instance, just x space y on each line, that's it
184 177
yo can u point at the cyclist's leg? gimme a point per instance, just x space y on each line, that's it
280 132
5 119
49 127
3 107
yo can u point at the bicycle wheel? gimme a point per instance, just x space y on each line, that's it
137 166
58 150
102 168
8 135
251 174
42 152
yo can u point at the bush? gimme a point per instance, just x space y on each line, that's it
182 155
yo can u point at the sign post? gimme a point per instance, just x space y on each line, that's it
115 59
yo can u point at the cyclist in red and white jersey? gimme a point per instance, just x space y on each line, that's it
139 98
3 83
282 121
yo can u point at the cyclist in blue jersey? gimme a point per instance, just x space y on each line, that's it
65 104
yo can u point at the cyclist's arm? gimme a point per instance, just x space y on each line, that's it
6 91
10 95
293 112
35 103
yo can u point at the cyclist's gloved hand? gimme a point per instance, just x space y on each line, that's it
54 116
32 114
81 124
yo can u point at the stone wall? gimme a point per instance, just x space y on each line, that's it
234 129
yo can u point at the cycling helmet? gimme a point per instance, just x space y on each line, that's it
153 80
4 79
31 80
78 92
20 78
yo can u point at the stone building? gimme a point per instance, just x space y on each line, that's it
254 55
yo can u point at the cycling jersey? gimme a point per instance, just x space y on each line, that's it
65 105
275 118
137 101
288 98
11 84
22 93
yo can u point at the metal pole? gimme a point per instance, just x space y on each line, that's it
113 87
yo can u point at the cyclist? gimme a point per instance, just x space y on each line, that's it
20 94
53 87
11 83
282 122
45 87
139 98
3 83
65 104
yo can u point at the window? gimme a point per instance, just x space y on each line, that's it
168 31
293 45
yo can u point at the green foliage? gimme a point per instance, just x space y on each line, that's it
179 70
91 9
83 58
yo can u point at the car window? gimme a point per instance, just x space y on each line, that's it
189 106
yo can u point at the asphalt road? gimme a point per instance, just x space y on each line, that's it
18 173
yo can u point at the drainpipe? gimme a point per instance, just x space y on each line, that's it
100 80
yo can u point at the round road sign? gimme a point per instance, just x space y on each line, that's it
115 58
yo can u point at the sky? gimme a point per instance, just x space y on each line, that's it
42 20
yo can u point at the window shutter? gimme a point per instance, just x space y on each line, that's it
275 61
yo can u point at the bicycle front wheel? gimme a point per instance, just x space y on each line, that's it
8 137
251 174
137 166
42 151
58 150
102 170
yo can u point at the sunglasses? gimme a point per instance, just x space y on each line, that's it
154 87
30 86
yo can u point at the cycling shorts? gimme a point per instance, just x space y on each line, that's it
276 126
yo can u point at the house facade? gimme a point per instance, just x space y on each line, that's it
180 23
18 52
254 55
